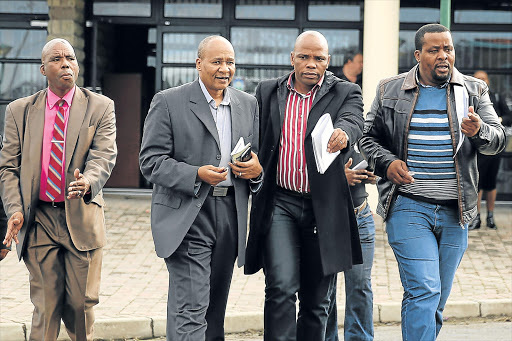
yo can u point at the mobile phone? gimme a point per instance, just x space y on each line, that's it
246 155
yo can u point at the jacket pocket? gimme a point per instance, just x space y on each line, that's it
399 106
167 200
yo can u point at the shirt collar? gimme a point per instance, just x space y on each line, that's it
317 86
52 99
431 86
209 98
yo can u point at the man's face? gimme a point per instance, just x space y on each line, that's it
483 76
436 58
60 68
216 66
309 59
357 64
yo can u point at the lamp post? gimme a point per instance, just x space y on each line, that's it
446 6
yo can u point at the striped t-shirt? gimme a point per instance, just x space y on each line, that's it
430 150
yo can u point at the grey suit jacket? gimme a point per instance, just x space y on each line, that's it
179 137
90 147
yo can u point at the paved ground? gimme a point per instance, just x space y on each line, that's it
134 279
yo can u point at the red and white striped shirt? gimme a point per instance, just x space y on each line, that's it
292 171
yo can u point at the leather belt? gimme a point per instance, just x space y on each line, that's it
55 204
361 207
218 191
302 195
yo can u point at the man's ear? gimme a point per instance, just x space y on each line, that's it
417 55
41 68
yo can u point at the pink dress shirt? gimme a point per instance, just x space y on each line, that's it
49 120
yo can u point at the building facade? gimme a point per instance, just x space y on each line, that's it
131 49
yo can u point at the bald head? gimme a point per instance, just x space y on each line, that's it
311 38
205 43
49 46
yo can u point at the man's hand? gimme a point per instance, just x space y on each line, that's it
14 225
247 170
212 175
3 253
398 173
470 125
338 141
78 188
358 176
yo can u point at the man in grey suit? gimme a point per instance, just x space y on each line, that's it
199 206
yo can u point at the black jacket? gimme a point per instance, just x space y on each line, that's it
337 229
387 126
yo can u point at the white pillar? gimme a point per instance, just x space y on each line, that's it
380 53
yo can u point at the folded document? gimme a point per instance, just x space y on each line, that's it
320 136
241 152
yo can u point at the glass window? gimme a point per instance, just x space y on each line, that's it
175 76
406 50
247 79
20 79
483 50
419 15
24 6
332 10
21 44
340 42
480 16
122 8
181 47
193 8
265 9
255 45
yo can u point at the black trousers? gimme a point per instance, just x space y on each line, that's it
292 266
200 272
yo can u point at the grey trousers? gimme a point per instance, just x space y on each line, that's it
64 282
200 272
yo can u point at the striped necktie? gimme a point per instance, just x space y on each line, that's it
54 182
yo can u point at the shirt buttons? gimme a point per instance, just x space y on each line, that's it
218 157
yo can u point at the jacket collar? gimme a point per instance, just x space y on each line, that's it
411 83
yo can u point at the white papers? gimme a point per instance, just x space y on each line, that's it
239 150
462 109
320 137
361 165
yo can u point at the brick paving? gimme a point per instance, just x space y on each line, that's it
134 279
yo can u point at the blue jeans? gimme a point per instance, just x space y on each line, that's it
292 265
428 242
358 323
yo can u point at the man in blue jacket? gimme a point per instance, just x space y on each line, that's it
421 137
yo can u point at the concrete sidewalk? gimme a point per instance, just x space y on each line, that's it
134 281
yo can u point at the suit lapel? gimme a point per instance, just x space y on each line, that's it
236 117
317 109
33 138
200 108
75 120
278 118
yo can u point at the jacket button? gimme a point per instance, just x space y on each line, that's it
218 157
198 204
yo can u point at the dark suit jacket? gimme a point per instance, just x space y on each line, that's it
337 229
180 136
90 147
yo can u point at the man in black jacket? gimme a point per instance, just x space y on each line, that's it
303 229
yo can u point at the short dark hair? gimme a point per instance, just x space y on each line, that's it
429 28
349 55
